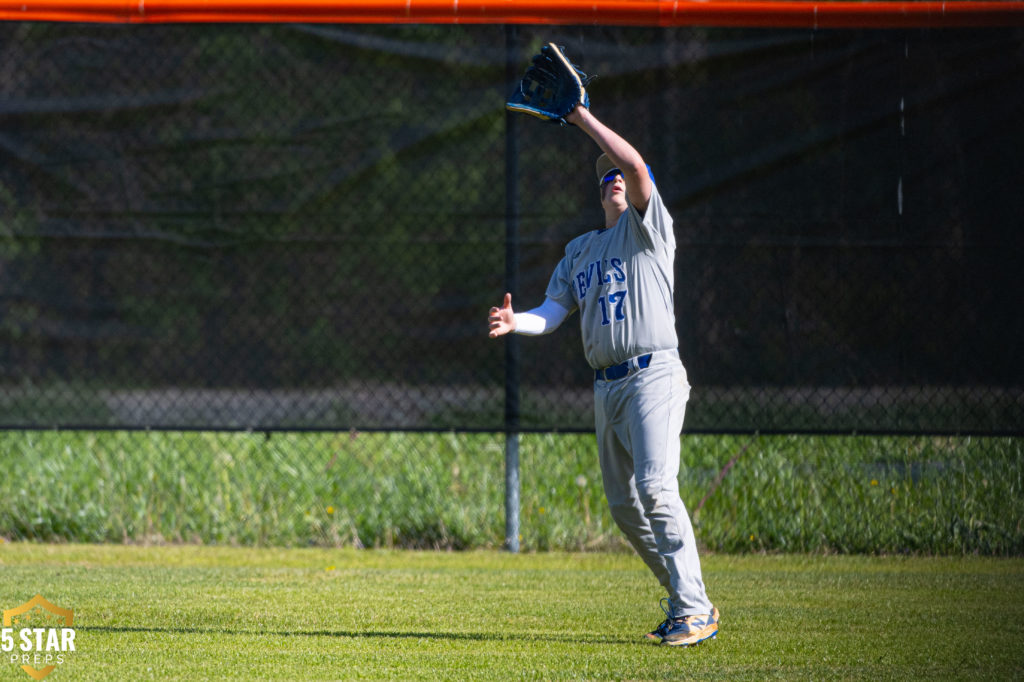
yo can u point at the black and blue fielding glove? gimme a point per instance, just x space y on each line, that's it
551 88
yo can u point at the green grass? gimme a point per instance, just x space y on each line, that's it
188 613
848 494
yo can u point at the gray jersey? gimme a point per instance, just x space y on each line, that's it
621 280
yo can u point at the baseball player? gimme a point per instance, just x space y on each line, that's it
620 279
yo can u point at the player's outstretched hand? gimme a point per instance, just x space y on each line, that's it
502 320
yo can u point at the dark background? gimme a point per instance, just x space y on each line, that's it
302 227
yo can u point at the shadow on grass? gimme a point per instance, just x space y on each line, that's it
375 634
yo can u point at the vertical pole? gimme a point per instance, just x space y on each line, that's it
512 286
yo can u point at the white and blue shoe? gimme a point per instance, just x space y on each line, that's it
686 631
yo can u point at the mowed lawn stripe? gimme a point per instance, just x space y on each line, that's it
188 612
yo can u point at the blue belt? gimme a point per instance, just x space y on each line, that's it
618 371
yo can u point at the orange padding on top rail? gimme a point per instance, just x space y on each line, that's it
754 13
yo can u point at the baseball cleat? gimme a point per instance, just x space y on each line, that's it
686 631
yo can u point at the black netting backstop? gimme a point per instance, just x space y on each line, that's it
302 227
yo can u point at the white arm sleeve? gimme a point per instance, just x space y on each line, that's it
541 320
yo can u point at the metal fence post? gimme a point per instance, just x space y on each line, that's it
511 283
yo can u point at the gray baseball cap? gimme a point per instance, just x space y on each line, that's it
603 165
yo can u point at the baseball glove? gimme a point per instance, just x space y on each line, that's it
551 88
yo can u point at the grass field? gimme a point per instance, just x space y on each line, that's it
805 494
190 612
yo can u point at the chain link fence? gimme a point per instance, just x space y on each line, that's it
236 257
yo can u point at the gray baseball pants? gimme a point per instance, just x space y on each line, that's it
639 419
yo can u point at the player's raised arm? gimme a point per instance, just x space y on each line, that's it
625 157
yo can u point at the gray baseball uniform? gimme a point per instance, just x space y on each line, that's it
621 281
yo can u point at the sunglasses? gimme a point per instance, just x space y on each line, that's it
609 176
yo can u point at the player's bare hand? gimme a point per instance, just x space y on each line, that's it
502 320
